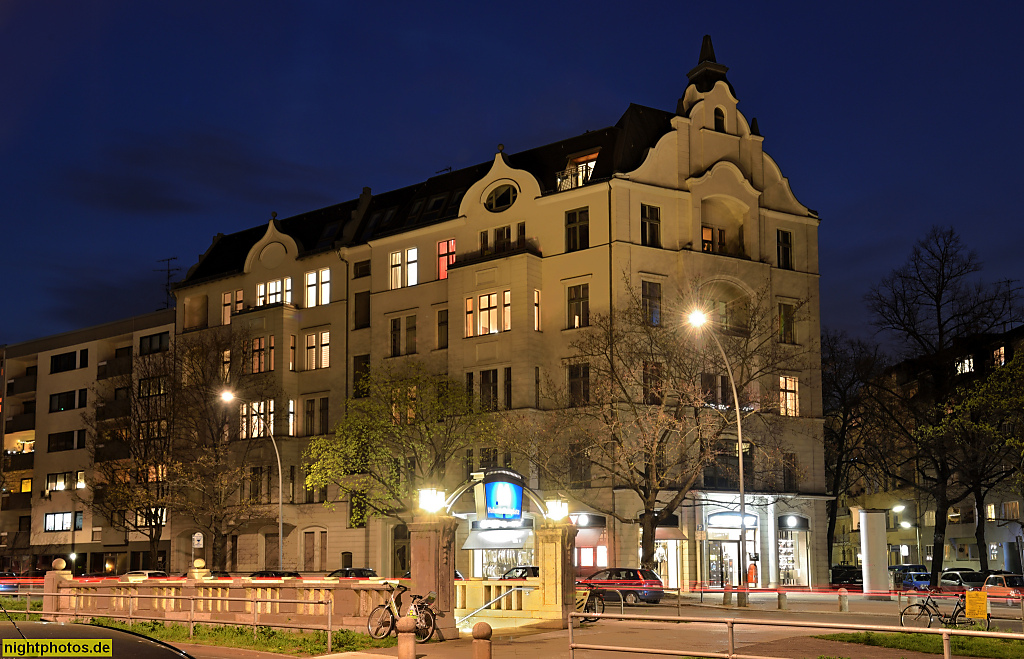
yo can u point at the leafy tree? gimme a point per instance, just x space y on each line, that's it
926 306
406 428
647 407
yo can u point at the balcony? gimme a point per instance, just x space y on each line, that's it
16 501
574 177
20 422
500 251
113 449
18 540
114 367
112 410
21 385
19 461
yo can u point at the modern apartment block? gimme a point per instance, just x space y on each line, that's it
487 274
50 385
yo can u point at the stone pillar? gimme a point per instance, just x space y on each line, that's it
51 584
198 570
555 543
874 553
432 549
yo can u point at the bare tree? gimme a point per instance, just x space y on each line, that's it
648 408
405 427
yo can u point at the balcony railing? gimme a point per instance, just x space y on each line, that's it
20 422
21 385
16 501
574 177
114 367
19 461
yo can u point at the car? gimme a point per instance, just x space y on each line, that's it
274 574
215 574
916 581
354 573
32 574
847 576
630 584
957 568
959 582
1010 586
123 643
146 574
458 575
522 572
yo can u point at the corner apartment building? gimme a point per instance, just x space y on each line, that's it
49 391
910 520
484 273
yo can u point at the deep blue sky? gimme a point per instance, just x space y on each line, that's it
134 131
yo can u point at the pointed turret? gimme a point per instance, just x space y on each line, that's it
708 71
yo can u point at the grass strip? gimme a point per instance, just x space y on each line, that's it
963 646
15 607
267 638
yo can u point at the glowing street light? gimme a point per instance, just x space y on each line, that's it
698 319
432 499
227 396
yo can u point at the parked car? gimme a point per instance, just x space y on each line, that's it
274 574
916 581
522 572
146 574
957 568
1010 586
123 644
354 573
408 575
216 574
632 584
958 582
846 576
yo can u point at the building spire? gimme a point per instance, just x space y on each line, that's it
708 71
707 51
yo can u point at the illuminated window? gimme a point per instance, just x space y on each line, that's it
788 401
487 315
708 242
965 365
506 311
469 317
225 313
579 306
445 257
999 357
318 287
536 310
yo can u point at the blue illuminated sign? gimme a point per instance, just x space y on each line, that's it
503 491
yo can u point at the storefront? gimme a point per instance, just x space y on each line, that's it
591 553
723 563
793 550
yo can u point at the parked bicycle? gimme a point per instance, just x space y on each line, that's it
589 600
921 615
383 619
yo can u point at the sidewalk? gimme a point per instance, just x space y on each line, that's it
693 637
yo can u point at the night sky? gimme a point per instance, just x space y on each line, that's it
134 131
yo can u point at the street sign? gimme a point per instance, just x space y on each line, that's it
701 535
197 541
977 604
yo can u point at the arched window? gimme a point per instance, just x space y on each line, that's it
719 120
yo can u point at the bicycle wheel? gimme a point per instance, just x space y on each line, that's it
381 622
916 615
598 604
590 607
424 625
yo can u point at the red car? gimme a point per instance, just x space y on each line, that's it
632 584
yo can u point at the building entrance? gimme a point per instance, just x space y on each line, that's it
723 557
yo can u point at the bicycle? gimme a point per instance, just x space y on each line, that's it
383 619
921 615
588 600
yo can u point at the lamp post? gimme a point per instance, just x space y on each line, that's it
698 319
227 397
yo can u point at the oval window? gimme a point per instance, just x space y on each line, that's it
501 198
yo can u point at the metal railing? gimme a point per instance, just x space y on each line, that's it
133 613
731 623
524 589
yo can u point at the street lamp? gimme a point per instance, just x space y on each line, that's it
698 319
227 397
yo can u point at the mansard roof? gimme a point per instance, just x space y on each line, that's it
620 148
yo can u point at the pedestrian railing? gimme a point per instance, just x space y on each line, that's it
731 624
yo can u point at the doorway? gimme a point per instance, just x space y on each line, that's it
723 557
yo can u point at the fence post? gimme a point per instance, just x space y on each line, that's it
844 600
191 615
254 591
679 599
727 595
406 637
1021 611
732 640
330 627
482 641
130 601
946 652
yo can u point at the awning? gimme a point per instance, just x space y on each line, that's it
497 539
590 537
668 533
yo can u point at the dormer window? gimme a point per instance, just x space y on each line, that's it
577 173
719 120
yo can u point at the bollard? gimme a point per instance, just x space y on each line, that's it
844 600
406 638
783 601
727 595
481 641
